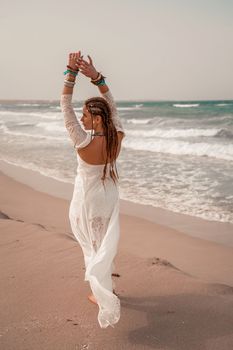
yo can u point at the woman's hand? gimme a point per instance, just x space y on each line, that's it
88 69
74 60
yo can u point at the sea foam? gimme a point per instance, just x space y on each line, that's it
179 147
186 105
174 133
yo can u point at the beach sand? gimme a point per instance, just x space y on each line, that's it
176 290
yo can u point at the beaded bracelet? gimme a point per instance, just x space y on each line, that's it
71 72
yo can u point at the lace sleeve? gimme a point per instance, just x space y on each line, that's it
78 135
115 117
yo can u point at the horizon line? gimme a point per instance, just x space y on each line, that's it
121 100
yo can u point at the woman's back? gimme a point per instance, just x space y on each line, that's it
95 152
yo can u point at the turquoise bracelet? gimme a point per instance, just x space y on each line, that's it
71 72
101 82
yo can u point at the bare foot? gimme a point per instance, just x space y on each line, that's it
92 299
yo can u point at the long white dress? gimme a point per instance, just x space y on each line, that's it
94 216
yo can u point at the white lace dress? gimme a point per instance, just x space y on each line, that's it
94 216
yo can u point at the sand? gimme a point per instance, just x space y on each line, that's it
176 290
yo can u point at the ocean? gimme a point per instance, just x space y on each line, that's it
177 155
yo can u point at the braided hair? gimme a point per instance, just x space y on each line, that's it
99 106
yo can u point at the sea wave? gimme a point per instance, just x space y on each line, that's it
179 147
224 133
173 133
139 121
223 104
23 124
186 105
135 107
28 104
46 115
139 105
51 126
25 134
51 173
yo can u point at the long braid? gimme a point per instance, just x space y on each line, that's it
111 148
99 106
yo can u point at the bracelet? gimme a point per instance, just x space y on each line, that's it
69 83
99 80
69 86
98 77
71 72
74 70
68 75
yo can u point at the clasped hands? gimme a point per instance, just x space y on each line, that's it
86 68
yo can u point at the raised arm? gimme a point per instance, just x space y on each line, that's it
88 69
78 135
107 95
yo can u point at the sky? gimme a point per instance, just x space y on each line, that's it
147 49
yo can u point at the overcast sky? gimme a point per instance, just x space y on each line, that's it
147 49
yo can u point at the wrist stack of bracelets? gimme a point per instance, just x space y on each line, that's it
100 80
74 73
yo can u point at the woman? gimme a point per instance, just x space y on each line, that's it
94 208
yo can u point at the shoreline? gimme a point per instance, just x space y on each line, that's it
187 224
